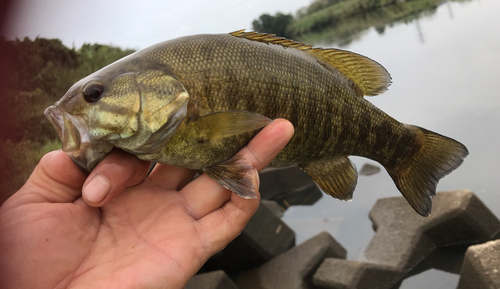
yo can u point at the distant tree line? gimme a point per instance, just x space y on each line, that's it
318 15
35 74
315 6
277 24
342 17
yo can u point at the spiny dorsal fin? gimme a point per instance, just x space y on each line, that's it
371 77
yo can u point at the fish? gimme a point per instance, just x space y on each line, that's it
195 101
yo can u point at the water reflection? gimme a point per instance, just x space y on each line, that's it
352 29
445 69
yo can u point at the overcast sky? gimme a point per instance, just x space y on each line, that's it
136 24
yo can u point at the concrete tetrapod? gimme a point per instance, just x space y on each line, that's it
294 268
212 280
288 186
403 239
481 268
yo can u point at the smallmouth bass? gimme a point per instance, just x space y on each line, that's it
195 101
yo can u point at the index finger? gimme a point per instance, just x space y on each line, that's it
220 226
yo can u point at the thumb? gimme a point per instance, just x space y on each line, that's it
112 175
56 179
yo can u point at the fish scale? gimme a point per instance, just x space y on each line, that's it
203 97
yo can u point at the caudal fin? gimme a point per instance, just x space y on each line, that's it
418 177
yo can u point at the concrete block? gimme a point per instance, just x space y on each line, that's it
211 280
293 269
344 274
446 259
288 186
273 206
369 169
403 239
264 237
481 268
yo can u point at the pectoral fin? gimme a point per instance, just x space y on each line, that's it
208 140
236 175
337 177
220 125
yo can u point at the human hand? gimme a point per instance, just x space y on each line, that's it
144 233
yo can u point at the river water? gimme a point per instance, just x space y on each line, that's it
445 69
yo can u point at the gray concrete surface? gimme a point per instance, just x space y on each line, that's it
294 268
403 239
211 280
481 268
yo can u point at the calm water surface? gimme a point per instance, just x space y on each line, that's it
445 69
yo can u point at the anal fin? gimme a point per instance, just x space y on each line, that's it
337 177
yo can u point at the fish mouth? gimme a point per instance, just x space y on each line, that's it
73 132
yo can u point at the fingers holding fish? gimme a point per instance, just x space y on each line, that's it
170 177
111 176
204 195
226 219
269 142
227 222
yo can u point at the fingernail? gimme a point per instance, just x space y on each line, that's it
256 179
97 189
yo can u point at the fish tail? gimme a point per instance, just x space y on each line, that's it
433 157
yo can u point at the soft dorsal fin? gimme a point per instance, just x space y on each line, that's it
371 77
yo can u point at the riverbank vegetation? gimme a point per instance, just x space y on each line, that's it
35 74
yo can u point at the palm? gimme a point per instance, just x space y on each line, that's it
145 228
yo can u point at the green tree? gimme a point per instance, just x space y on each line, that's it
277 24
318 5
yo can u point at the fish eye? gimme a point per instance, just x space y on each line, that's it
93 92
